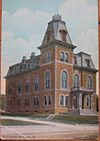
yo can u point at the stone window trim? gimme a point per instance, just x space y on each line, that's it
36 83
87 62
47 81
63 56
63 34
47 100
76 74
48 56
27 87
26 101
19 102
61 87
36 101
75 60
19 87
9 103
89 86
63 100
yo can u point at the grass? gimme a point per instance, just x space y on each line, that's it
67 119
10 122
75 119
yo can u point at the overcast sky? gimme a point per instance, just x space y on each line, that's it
24 23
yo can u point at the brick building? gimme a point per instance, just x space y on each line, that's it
56 81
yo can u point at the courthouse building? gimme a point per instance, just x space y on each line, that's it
56 81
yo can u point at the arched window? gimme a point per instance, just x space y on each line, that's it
66 57
19 102
19 87
76 81
62 56
26 101
47 79
27 86
36 83
36 101
49 100
45 100
64 80
89 82
61 100
49 56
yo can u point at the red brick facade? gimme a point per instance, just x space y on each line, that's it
55 93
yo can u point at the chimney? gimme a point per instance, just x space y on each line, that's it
24 59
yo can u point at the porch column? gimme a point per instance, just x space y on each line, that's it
90 101
80 101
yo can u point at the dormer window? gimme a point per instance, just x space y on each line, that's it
75 60
63 34
87 62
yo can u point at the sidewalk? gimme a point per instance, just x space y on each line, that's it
48 130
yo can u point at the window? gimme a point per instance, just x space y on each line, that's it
75 60
66 100
88 62
63 34
36 83
27 87
26 102
89 82
48 57
47 79
66 57
47 100
36 101
76 81
19 102
61 100
19 87
62 56
64 80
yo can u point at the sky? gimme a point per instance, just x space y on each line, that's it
24 23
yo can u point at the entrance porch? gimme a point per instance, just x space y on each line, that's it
83 101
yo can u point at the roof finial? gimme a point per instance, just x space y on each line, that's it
56 17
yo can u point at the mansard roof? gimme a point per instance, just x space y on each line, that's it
84 61
25 65
56 30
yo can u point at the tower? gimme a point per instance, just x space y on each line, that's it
57 58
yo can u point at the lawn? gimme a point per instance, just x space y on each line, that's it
75 119
10 122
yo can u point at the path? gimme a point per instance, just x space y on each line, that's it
48 130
